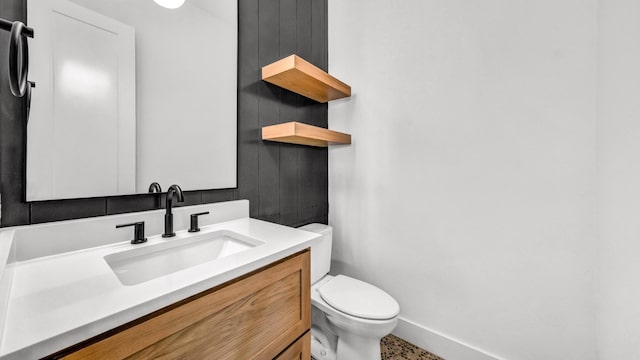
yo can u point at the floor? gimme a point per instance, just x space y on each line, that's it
394 348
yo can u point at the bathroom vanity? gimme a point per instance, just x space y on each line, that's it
259 315
80 290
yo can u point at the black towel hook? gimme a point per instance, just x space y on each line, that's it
18 60
18 56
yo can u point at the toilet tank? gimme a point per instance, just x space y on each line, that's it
320 250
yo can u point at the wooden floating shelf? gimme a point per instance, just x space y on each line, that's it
303 134
300 76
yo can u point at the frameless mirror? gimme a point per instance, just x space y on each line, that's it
128 93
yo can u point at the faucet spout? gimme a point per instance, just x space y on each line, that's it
168 216
155 187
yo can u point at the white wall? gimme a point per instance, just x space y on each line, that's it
619 180
469 190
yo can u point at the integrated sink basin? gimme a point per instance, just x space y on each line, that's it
151 261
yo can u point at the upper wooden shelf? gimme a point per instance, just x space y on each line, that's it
303 134
300 76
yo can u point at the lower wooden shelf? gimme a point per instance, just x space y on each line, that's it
303 134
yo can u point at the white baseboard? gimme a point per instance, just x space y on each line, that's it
438 343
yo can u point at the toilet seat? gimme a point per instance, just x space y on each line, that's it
358 299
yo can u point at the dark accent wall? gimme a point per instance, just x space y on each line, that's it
286 184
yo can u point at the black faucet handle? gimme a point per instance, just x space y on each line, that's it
138 232
194 221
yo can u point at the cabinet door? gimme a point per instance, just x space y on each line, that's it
254 317
299 350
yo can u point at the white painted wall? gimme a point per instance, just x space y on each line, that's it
619 180
469 190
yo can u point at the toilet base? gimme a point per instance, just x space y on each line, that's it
339 338
353 347
349 347
323 345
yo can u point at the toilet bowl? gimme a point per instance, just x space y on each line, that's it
349 316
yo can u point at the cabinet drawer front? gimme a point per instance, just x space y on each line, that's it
254 317
299 350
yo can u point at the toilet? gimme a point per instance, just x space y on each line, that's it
348 316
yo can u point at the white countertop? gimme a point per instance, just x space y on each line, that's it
59 300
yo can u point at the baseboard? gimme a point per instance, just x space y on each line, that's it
438 343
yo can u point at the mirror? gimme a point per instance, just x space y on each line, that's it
129 93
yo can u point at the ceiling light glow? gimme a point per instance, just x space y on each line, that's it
170 4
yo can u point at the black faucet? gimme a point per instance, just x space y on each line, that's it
168 216
156 188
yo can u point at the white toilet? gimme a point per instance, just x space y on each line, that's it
348 316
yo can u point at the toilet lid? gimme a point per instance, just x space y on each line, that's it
358 298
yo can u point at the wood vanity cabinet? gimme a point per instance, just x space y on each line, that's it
299 350
263 315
